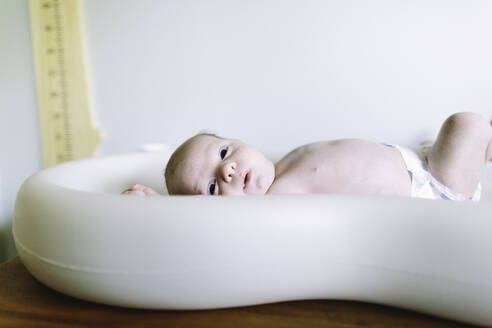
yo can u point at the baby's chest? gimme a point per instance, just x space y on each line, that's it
340 172
311 174
318 176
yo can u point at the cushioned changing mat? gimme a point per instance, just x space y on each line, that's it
77 234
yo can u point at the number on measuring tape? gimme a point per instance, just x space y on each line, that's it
67 126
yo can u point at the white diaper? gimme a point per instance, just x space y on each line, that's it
424 185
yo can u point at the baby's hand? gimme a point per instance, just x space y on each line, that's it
140 190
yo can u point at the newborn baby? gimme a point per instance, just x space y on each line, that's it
450 169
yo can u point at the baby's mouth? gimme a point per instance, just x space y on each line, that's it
247 177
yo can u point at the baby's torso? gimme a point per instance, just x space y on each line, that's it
342 166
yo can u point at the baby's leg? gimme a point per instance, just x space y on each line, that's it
463 147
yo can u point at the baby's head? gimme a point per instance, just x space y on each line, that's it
210 165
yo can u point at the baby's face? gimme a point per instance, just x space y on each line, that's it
214 166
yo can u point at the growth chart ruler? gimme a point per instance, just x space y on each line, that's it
66 120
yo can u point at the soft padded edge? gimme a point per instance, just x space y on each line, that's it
77 234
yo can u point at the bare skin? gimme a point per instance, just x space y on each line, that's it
460 152
140 190
217 166
342 166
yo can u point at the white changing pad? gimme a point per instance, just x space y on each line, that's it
77 234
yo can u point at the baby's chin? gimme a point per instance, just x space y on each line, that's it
264 183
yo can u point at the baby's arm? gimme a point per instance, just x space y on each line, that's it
140 190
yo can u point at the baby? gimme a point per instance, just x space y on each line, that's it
450 169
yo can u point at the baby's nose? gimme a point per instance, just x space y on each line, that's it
227 170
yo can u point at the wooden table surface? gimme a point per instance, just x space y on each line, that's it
24 302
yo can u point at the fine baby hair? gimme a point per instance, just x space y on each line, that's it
176 158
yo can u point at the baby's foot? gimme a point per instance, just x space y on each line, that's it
140 190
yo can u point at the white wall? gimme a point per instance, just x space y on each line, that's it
279 73
276 73
19 132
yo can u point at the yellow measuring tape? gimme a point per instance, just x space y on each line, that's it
67 128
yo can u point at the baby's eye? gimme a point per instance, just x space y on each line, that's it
212 187
223 153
